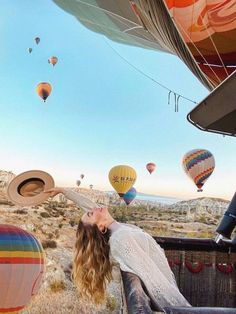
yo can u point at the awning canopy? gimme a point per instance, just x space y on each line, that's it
217 112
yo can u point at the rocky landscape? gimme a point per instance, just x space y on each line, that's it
54 224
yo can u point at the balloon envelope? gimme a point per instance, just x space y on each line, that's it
122 178
199 165
201 33
21 268
43 90
130 196
78 182
82 176
150 167
53 60
208 29
37 40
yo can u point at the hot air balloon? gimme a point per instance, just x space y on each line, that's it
91 186
150 167
37 40
200 33
43 90
30 50
199 165
78 182
53 60
122 178
21 268
82 176
130 196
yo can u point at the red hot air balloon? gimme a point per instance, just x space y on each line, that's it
150 167
53 60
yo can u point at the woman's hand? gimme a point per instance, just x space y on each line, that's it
54 191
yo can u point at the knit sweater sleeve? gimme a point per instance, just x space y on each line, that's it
126 250
80 200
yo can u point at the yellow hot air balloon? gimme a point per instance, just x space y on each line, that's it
43 90
53 60
122 178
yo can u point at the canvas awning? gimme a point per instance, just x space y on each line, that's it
217 112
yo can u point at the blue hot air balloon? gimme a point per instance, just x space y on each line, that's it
130 196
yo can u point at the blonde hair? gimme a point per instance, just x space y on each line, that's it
92 268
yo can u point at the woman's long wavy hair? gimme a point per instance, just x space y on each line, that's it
92 268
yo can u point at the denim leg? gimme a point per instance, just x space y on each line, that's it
137 300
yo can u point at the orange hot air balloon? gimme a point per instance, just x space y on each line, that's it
44 90
150 167
53 60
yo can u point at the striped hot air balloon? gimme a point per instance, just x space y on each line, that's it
21 268
199 165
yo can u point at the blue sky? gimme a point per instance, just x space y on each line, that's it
101 112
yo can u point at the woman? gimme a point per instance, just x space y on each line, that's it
100 238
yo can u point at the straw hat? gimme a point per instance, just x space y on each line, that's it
27 188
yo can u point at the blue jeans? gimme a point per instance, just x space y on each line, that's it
137 299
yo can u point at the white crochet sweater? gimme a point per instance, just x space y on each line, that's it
137 252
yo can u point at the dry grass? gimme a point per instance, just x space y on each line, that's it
67 302
57 286
57 303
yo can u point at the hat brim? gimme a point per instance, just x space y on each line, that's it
14 195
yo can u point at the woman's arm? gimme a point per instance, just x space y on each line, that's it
80 200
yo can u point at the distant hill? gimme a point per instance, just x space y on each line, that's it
199 205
